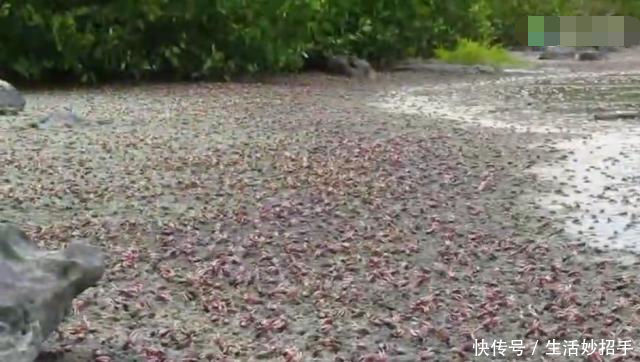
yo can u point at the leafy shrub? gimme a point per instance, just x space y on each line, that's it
386 30
94 40
122 38
470 52
100 40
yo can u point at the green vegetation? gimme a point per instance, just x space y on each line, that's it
93 40
471 52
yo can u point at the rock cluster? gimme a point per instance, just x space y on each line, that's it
60 118
350 66
559 52
37 288
444 68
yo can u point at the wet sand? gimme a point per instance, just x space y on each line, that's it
597 182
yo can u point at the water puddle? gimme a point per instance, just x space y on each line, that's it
597 187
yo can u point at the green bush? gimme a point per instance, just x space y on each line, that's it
125 38
102 40
470 52
385 30
94 40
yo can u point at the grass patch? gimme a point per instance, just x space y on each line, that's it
469 52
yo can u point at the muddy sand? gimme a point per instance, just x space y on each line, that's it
312 218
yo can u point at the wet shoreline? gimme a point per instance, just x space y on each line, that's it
596 188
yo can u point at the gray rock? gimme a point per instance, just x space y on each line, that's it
11 101
362 68
608 49
350 66
444 68
60 118
616 116
590 55
37 288
516 71
557 52
487 69
339 64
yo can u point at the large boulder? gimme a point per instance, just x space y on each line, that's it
11 101
37 288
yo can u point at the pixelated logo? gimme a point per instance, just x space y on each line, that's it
578 31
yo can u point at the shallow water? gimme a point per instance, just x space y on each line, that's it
597 187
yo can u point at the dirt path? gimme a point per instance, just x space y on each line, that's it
297 221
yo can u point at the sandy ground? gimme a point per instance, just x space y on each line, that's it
312 218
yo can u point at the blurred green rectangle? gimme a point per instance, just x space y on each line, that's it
616 29
567 31
579 31
631 31
568 24
535 24
551 30
568 38
600 24
536 39
615 39
551 38
615 24
583 24
551 24
584 39
599 39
